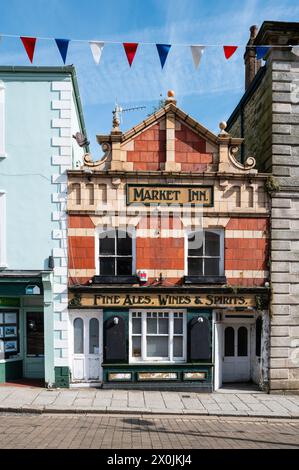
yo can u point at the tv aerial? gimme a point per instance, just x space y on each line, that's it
118 113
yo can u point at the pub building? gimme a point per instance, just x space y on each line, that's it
168 259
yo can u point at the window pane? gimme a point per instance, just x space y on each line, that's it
242 341
258 336
177 346
136 325
195 266
124 266
107 243
78 336
229 341
195 244
178 326
94 336
151 325
107 266
212 266
136 346
212 244
124 244
35 333
163 326
157 346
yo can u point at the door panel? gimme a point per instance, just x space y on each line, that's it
236 358
86 331
34 363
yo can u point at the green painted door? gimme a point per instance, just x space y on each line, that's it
34 362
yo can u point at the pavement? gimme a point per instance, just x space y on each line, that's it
225 402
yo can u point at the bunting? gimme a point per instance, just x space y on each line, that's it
229 51
130 50
261 51
197 52
29 44
163 51
96 50
63 45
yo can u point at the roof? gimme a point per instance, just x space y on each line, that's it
67 69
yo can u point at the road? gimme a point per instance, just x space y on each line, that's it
49 431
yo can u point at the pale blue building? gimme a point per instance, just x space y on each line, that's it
40 110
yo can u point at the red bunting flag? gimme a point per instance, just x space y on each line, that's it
229 51
29 44
130 50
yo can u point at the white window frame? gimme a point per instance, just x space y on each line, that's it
3 229
214 230
152 360
130 230
2 120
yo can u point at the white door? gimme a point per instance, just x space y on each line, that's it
86 331
236 353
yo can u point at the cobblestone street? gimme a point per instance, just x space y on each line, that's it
147 432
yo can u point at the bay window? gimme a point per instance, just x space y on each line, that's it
157 335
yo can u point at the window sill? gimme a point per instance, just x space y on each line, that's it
205 279
115 280
3 156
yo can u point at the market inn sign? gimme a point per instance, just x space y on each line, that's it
170 194
161 300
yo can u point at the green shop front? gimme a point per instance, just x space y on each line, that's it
26 327
155 338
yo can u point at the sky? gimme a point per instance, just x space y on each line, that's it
208 94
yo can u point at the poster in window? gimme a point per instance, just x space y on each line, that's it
1 317
10 346
1 347
1 331
10 318
10 331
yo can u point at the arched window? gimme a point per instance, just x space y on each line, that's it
242 341
258 336
78 336
205 253
115 253
229 341
94 336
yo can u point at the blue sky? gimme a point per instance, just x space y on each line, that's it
208 94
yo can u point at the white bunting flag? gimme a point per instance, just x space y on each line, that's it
295 50
197 52
96 49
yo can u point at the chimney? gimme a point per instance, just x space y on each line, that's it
252 65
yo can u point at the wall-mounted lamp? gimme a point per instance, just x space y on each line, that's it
116 321
200 320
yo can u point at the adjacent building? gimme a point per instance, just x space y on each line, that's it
168 259
267 117
39 111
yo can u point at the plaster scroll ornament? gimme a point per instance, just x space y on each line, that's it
249 164
102 163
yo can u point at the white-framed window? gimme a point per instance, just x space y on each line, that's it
2 120
157 336
2 229
115 252
205 253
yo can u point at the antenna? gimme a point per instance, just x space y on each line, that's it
117 113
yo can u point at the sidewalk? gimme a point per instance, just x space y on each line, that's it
222 403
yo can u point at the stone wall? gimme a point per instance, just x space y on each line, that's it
284 340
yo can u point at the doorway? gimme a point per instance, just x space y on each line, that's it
236 365
86 346
34 348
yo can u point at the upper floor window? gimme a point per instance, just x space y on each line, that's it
2 229
205 253
115 253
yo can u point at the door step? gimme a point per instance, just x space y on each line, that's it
85 384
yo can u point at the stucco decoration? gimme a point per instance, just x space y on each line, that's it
101 164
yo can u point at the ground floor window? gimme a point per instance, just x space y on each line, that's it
157 335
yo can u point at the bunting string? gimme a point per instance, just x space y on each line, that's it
130 49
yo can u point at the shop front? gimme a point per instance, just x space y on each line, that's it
22 326
164 339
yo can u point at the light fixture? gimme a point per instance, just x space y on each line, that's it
200 320
116 321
